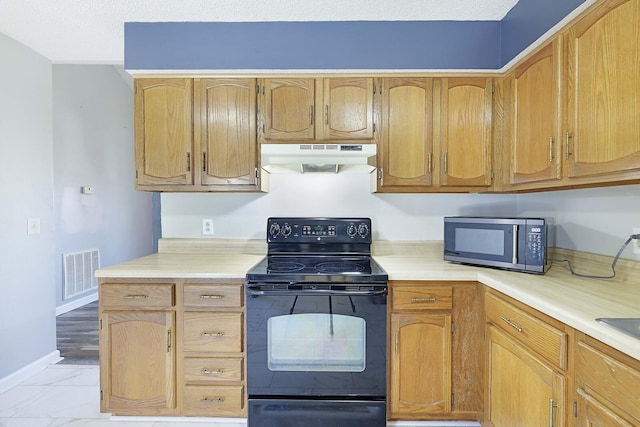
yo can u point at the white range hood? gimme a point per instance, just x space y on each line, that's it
328 158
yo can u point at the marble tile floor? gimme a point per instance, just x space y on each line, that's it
68 396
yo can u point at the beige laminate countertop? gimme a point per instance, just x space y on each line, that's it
572 300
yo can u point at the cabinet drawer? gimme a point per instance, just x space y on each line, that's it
421 297
137 295
213 295
600 374
213 332
214 400
539 336
212 369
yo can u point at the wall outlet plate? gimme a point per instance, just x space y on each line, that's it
207 227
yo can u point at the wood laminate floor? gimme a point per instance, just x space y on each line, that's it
77 335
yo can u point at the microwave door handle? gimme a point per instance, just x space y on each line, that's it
514 258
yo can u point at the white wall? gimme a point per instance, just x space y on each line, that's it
394 216
93 146
593 220
597 220
27 297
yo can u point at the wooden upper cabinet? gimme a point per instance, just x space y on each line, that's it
603 89
298 109
533 117
465 126
406 132
226 109
163 131
347 108
287 108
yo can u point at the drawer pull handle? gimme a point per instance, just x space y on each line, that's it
423 299
212 371
214 400
512 324
211 296
212 334
142 296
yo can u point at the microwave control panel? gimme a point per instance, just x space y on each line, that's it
535 244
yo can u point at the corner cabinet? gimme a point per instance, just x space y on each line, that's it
196 135
172 347
533 117
432 348
527 359
307 109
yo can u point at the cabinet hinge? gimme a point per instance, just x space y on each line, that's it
257 173
101 395
380 173
492 176
136 174
374 89
452 399
204 162
374 128
257 89
453 327
101 324
575 409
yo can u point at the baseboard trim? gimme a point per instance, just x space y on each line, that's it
28 371
77 303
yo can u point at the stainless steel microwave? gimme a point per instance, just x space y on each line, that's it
519 244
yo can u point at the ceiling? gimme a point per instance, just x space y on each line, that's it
92 31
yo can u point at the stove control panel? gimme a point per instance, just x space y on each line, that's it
317 230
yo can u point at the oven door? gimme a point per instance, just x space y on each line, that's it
316 343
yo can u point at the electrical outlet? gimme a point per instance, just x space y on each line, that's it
207 227
636 242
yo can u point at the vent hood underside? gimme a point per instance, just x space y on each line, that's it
314 158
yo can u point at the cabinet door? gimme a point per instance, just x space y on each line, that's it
592 413
226 133
287 108
347 108
163 131
532 93
137 362
406 132
521 390
420 364
465 115
603 84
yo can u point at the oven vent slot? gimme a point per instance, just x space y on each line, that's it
79 272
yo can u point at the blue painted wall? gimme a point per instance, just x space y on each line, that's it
312 45
527 21
367 45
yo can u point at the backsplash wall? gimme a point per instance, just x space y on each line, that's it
591 220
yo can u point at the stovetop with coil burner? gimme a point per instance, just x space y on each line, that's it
318 250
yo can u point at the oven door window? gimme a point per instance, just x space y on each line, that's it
316 342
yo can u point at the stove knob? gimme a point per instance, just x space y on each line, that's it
351 230
274 229
286 230
363 230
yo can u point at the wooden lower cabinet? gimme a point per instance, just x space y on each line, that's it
137 349
522 389
608 386
433 350
527 378
172 347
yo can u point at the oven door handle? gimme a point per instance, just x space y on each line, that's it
256 292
